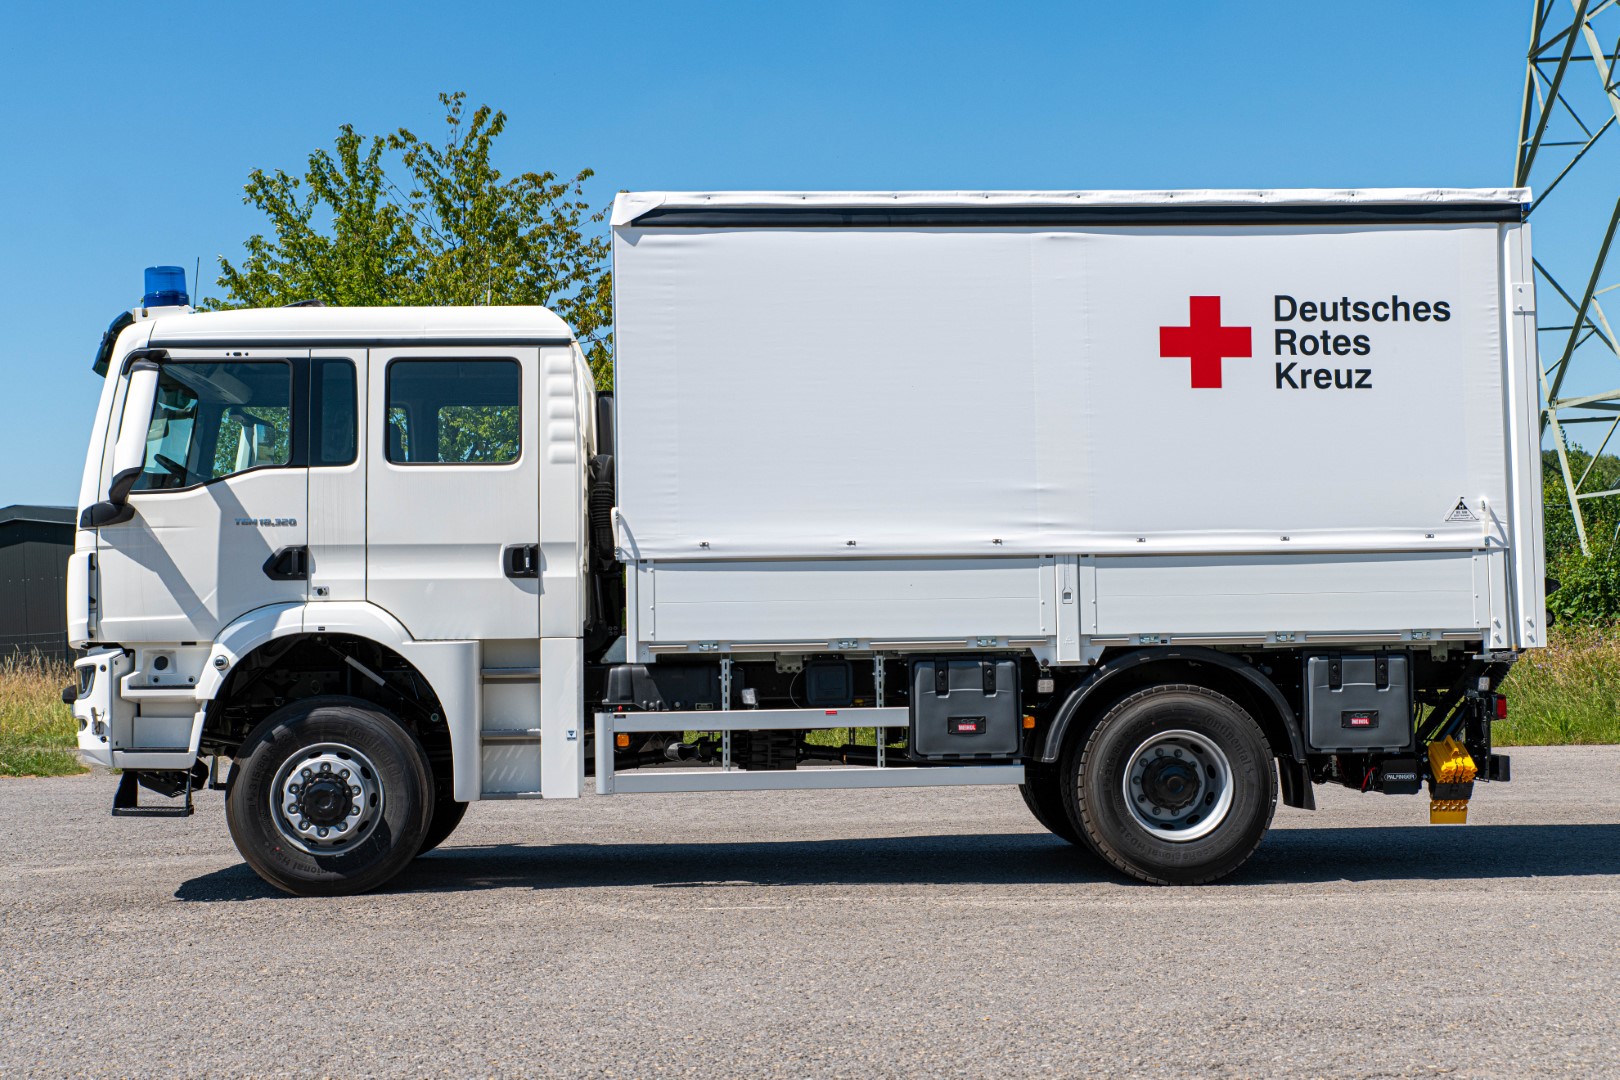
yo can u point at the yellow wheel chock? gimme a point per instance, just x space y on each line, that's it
1451 782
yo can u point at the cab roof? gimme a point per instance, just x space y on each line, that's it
360 325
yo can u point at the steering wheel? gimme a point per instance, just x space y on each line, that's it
174 468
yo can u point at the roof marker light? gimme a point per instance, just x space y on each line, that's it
165 287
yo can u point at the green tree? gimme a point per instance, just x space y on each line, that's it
398 219
1589 585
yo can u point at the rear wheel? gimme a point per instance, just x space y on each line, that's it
329 796
1175 785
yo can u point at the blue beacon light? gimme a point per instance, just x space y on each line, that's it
165 287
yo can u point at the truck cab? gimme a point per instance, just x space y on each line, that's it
383 505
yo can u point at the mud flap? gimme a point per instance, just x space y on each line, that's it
1296 784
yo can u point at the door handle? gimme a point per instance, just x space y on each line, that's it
521 560
288 564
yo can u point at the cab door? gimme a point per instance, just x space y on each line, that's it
337 475
219 525
452 492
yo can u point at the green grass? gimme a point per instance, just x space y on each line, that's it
38 735
825 736
1566 694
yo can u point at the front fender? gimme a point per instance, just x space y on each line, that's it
241 637
449 667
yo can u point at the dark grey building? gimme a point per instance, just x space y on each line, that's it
35 542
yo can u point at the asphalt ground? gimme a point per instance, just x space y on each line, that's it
932 932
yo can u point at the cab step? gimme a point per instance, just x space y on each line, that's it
510 674
169 783
510 735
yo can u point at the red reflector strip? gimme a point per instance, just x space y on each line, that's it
1501 707
832 712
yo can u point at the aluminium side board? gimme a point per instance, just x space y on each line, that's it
1060 421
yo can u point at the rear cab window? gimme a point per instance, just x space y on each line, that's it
454 412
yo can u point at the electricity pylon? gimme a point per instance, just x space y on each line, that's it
1570 84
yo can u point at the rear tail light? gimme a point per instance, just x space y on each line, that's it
1501 707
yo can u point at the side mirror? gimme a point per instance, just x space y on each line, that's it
129 452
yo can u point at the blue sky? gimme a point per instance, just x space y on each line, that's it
133 127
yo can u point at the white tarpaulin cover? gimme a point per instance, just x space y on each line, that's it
1002 389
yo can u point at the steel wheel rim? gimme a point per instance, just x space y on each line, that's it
1178 786
327 798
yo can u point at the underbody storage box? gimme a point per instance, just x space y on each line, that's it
1358 702
658 687
964 708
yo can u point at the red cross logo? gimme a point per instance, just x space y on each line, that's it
1205 342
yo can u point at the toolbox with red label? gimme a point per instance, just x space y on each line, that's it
963 708
1358 701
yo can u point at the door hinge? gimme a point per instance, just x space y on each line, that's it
288 564
522 560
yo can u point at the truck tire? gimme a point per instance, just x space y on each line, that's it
447 814
1174 786
1042 790
329 796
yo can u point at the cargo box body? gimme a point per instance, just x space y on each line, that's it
1059 422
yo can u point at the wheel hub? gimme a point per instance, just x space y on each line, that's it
327 797
325 800
1171 782
1178 786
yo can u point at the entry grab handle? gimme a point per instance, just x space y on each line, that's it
521 561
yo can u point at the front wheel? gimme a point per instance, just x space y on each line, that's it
1175 785
328 797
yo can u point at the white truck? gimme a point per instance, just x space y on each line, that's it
1152 503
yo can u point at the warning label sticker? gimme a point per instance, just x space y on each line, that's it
1460 512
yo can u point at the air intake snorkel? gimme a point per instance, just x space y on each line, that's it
165 288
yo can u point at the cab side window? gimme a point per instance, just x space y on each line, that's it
459 412
333 409
213 420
